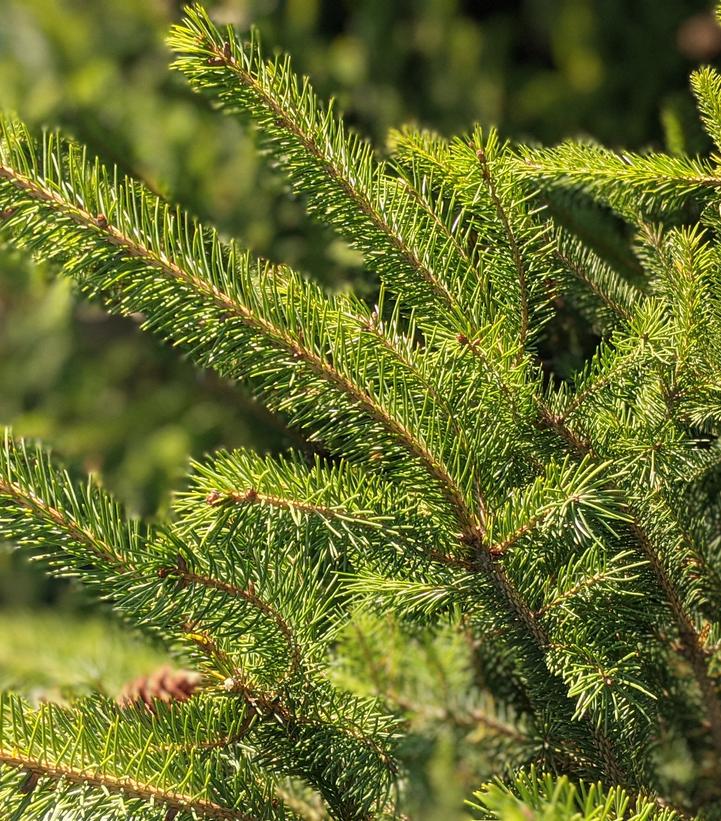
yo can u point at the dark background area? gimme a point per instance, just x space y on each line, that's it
113 400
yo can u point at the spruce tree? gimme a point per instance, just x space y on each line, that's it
550 545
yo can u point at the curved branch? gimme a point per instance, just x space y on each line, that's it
248 595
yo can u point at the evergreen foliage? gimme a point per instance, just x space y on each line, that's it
554 541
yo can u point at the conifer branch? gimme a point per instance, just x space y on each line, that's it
632 184
40 769
589 272
469 524
533 793
106 750
226 471
216 289
252 497
447 167
530 621
334 170
488 362
706 86
186 577
435 213
357 514
508 238
151 572
301 507
607 574
459 503
39 494
29 501
282 725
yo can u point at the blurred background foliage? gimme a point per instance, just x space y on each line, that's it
111 399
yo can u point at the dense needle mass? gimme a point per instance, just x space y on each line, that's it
556 542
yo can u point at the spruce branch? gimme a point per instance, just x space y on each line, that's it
706 85
466 518
692 645
557 499
507 237
416 597
634 185
449 169
335 170
212 279
604 296
690 640
93 535
98 747
575 582
356 515
518 260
